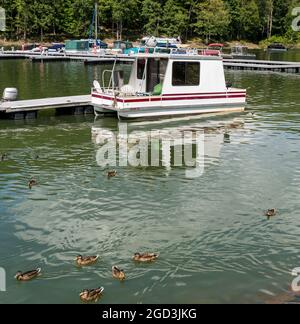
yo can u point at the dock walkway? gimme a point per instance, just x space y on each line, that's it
28 108
259 65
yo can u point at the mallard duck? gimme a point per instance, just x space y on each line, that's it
26 276
145 257
112 174
85 261
92 295
32 183
118 273
271 212
3 156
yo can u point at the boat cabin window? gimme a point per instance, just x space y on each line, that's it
186 74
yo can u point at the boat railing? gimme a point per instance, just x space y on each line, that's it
104 73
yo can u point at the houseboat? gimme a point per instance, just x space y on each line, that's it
166 85
277 47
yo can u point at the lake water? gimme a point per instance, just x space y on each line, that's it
215 244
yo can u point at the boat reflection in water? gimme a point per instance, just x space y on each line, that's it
188 143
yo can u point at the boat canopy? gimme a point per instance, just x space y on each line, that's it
216 45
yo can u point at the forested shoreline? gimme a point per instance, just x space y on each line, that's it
223 20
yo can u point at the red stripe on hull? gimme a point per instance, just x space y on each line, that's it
198 94
237 95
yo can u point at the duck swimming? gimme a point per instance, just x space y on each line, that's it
32 183
3 157
85 261
92 295
112 174
26 276
118 273
271 213
145 257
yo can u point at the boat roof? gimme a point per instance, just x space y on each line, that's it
181 57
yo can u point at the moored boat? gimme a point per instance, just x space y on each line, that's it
242 53
165 85
277 47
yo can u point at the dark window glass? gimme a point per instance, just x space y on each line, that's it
141 69
186 74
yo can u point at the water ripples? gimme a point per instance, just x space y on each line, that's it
214 242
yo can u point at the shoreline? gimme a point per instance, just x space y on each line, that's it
190 43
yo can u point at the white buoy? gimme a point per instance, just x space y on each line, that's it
10 94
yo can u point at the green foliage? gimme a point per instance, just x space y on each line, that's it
209 19
213 19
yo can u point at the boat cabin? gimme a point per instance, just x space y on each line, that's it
154 74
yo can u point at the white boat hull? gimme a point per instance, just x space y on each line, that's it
169 105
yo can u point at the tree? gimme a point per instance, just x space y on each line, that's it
212 19
152 12
225 19
249 20
175 19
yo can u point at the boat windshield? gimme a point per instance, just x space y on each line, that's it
117 76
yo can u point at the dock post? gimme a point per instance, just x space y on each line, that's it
31 115
16 115
78 111
88 110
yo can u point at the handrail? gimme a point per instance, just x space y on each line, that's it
103 77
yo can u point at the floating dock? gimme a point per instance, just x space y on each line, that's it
91 58
28 109
258 65
87 58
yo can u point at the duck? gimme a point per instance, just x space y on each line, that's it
226 137
271 212
145 257
112 174
118 273
91 295
85 261
32 183
3 157
29 275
